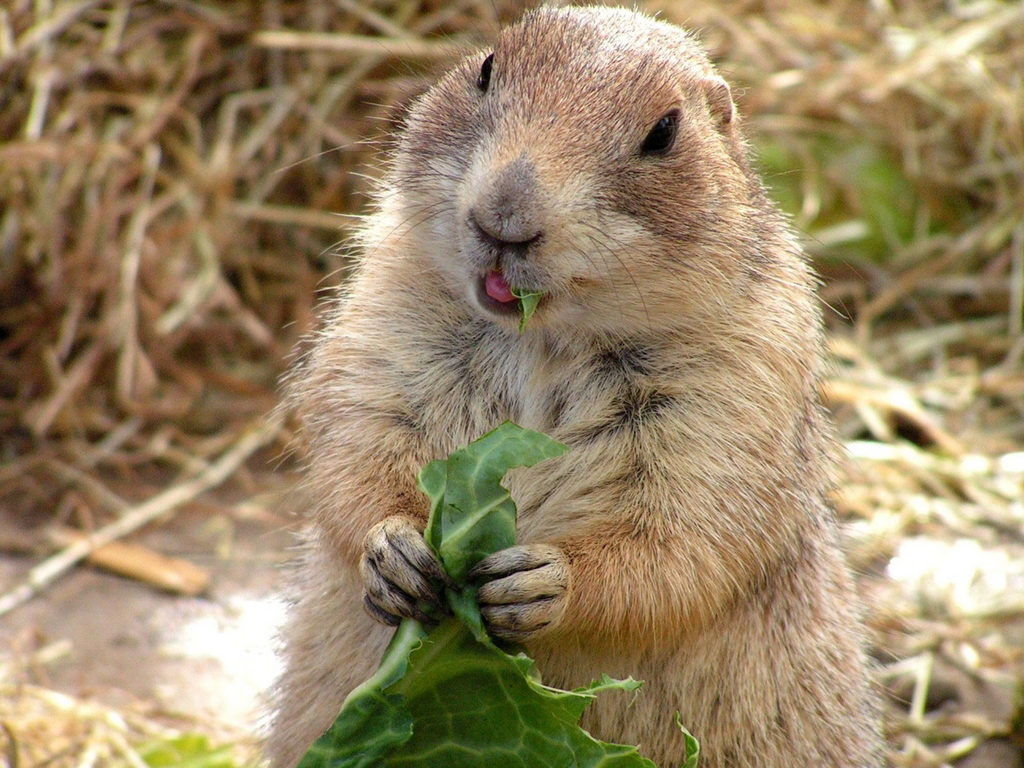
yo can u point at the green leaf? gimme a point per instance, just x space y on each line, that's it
372 723
474 705
528 301
450 698
472 514
691 749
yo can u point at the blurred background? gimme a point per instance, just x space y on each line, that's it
176 180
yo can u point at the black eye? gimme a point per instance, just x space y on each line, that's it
662 135
485 73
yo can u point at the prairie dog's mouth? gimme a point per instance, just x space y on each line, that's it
498 288
495 294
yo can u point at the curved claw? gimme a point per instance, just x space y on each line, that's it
379 613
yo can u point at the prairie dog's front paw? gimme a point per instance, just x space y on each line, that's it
523 590
401 575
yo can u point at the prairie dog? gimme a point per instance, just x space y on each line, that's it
685 539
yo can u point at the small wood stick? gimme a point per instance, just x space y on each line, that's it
172 574
133 518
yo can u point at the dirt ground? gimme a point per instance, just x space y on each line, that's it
198 663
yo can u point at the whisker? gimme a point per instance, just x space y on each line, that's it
600 239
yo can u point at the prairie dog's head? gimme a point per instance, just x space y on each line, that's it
592 155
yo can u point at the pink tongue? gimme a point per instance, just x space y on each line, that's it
497 288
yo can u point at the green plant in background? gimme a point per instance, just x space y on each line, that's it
451 697
852 194
190 750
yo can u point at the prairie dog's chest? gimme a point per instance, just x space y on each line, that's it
466 380
462 381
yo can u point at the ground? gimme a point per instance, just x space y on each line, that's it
192 663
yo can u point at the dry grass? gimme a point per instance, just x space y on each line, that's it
44 727
171 179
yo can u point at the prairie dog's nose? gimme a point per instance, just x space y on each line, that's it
509 210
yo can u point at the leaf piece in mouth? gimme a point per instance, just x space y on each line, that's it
528 301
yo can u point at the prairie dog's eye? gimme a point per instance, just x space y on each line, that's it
485 73
662 135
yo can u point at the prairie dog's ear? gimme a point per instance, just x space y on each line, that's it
719 98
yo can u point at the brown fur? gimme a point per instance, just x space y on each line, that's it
678 353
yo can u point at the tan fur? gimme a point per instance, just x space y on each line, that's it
678 353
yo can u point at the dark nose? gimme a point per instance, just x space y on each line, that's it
508 211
